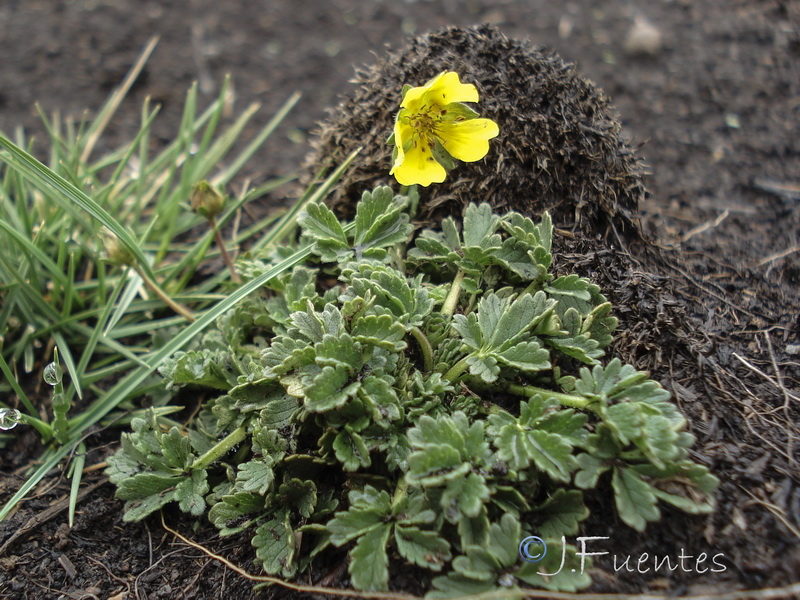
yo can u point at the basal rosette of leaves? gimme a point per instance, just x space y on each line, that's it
428 403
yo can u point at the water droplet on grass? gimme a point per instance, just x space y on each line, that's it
9 418
53 374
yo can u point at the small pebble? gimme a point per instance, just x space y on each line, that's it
643 38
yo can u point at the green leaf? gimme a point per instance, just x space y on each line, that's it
226 514
464 496
635 500
658 441
517 258
314 325
570 577
286 354
484 366
368 507
549 452
455 585
424 548
379 395
278 412
255 476
442 156
369 561
321 225
408 303
351 450
65 193
480 225
497 332
275 545
382 331
339 351
329 390
589 470
435 465
300 494
456 111
474 531
136 510
525 356
143 485
205 368
561 513
685 504
190 493
626 419
479 563
380 222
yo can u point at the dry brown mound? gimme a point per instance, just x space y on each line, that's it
560 146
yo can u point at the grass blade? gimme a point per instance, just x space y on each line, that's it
12 381
77 475
62 190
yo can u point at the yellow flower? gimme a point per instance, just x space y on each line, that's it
433 127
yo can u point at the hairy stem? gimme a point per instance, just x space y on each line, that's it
425 347
450 303
456 370
224 251
220 449
400 492
564 399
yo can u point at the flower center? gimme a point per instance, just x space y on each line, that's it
425 121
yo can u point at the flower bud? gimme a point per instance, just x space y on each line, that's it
116 252
206 201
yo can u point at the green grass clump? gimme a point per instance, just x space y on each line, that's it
101 324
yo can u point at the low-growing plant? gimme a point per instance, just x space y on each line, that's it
428 403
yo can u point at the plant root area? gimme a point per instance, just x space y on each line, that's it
691 110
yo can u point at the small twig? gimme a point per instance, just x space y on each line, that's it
758 371
779 188
705 226
124 582
786 397
295 587
775 510
96 467
772 257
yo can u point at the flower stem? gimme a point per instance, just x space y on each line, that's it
218 451
224 251
564 399
425 346
456 370
176 306
450 303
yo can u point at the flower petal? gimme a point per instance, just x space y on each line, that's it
441 90
418 166
403 133
467 140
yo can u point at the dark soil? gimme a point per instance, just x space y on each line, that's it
711 305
